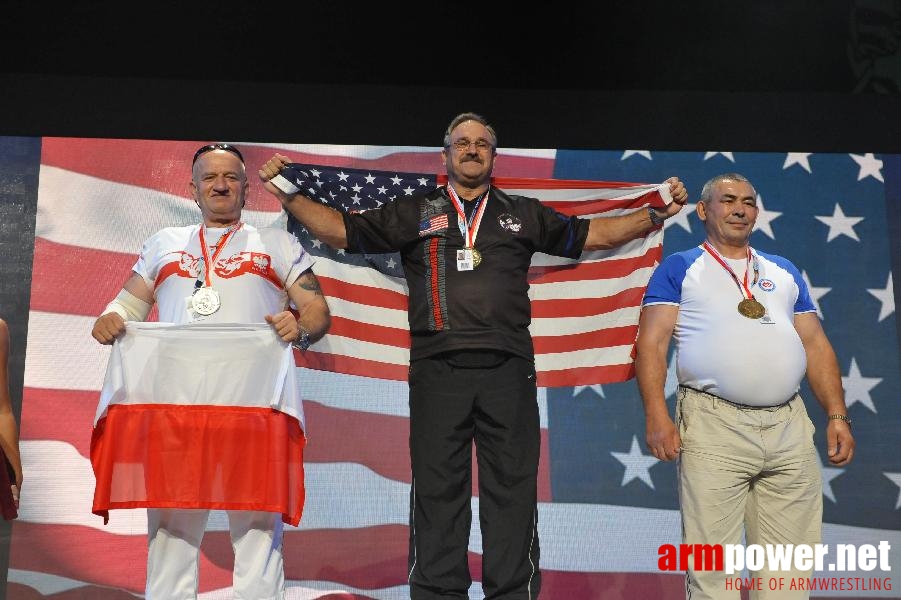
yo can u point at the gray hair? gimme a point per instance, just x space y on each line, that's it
707 190
469 116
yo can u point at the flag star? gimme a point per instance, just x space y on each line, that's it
356 187
370 178
390 262
839 224
382 189
408 191
798 158
672 378
423 181
316 173
343 176
682 218
596 388
644 153
728 155
764 217
636 463
356 198
870 166
828 474
815 292
341 251
886 296
316 243
857 387
396 180
896 479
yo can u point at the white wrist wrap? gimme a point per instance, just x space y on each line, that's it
128 306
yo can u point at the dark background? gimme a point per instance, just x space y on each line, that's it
811 76
788 75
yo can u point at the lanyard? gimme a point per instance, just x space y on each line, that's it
203 272
475 221
743 285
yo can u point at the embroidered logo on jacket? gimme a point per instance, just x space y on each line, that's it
509 223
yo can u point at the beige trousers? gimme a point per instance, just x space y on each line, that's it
746 470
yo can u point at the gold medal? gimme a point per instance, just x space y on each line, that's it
751 308
476 257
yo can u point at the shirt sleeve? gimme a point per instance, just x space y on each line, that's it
665 285
292 259
560 235
148 264
804 302
385 229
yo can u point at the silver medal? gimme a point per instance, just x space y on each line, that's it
205 301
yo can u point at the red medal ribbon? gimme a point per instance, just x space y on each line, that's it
743 285
207 261
472 226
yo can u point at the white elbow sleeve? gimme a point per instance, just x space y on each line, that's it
128 306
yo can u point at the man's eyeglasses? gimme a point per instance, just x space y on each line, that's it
210 147
463 144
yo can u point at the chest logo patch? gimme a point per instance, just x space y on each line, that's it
509 223
766 285
241 263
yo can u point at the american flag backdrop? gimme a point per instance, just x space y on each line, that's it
606 505
584 313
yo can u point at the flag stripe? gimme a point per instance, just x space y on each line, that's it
162 472
582 307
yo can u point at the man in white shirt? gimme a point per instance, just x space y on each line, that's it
239 456
746 332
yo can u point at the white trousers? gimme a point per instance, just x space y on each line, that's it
173 553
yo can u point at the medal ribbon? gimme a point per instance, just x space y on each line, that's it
207 261
473 224
743 285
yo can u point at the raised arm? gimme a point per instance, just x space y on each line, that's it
655 329
825 380
322 221
610 232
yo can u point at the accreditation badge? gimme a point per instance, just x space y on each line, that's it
465 261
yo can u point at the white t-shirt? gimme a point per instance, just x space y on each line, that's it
757 362
251 273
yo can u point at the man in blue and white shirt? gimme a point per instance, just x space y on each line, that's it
746 333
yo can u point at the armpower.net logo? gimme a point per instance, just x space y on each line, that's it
788 559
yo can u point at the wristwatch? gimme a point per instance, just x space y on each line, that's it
655 217
302 341
844 418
